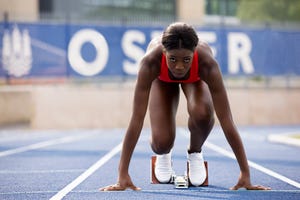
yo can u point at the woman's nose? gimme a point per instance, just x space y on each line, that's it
179 66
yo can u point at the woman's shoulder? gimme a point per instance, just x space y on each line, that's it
205 53
154 47
154 50
156 41
203 48
206 58
150 63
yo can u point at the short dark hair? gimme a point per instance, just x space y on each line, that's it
179 35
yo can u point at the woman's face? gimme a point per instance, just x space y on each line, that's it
179 62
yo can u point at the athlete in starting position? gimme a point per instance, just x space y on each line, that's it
179 60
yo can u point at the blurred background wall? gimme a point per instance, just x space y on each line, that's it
73 63
20 10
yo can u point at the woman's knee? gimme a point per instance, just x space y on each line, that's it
202 115
162 145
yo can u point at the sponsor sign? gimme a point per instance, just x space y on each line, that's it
34 50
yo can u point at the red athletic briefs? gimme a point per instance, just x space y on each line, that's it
194 71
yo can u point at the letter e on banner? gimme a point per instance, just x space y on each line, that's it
74 52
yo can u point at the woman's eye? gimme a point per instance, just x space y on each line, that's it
172 59
187 60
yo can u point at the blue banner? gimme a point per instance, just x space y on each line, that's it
66 50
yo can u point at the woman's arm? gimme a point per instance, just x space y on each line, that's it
140 103
211 74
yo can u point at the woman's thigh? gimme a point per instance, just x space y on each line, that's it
199 102
163 103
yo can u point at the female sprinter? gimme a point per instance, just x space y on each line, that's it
179 60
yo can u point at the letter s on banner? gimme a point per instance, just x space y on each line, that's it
133 51
74 52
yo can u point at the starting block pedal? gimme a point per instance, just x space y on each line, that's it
181 181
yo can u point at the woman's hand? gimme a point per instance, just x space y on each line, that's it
244 182
123 184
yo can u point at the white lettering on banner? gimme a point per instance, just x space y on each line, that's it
239 49
74 52
132 51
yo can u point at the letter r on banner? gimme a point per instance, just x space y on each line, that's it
239 49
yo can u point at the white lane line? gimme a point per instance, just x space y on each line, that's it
285 138
6 172
42 144
253 164
87 173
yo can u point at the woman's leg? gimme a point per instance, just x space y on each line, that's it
201 113
164 98
163 104
201 120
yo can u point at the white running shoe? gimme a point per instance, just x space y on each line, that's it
197 171
163 168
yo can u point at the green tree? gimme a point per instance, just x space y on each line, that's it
269 10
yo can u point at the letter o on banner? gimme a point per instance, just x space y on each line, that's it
74 52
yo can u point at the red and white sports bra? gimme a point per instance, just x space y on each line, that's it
194 71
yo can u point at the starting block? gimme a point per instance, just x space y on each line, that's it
179 181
